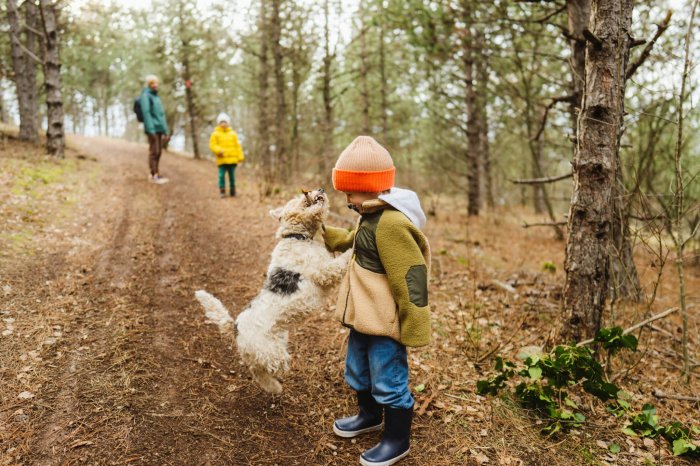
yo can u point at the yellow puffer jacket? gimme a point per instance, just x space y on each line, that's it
225 141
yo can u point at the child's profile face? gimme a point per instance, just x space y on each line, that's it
223 124
355 200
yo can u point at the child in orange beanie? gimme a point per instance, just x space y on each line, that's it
383 298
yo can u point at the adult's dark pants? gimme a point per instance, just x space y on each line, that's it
155 147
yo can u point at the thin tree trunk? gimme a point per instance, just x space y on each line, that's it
24 67
55 139
187 76
294 144
482 93
679 187
473 114
383 86
263 81
590 216
191 108
364 75
623 271
281 102
328 124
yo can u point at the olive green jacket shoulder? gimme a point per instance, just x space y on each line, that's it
385 291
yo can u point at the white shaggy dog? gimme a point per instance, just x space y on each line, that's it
299 277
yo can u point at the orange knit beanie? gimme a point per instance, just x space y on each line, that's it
365 167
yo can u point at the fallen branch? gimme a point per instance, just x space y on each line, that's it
549 179
659 394
665 332
636 326
504 286
503 345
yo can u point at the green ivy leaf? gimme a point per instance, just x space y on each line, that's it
535 373
421 387
629 342
682 446
614 448
630 432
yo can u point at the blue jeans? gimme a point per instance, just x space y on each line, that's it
378 364
229 168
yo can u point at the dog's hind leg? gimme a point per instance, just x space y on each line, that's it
266 381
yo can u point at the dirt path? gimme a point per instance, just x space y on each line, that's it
112 347
136 376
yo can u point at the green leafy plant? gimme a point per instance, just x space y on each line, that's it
546 379
549 267
644 424
613 340
492 385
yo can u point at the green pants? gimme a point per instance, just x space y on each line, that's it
229 168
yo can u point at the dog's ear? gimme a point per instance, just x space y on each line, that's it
277 213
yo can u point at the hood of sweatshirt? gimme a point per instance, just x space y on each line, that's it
406 202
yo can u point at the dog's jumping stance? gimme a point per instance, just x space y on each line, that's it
299 277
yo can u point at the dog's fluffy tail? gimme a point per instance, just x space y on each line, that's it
215 311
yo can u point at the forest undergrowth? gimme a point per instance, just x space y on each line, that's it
99 367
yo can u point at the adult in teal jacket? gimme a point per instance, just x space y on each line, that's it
155 125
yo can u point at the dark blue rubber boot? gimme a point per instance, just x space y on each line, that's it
369 418
395 441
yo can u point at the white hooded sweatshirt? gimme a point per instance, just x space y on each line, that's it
406 202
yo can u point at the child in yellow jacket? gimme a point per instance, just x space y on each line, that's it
225 146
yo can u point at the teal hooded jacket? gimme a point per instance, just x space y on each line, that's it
153 113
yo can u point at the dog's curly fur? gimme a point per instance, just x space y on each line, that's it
299 277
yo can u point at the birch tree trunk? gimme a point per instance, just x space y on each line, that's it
55 138
587 261
24 67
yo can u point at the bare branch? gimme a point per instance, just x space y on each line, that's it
659 394
593 39
636 326
550 179
544 224
555 100
660 28
29 53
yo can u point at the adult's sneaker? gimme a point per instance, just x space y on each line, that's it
157 179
